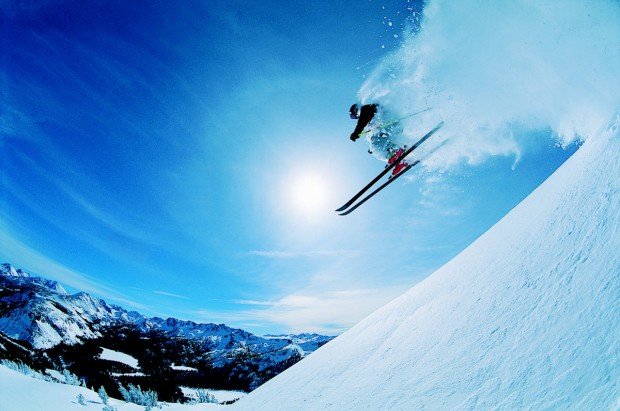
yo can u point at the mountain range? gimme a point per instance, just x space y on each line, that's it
47 321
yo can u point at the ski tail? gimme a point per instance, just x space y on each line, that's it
389 168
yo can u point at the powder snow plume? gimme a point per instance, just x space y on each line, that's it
494 71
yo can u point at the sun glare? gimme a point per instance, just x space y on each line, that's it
309 193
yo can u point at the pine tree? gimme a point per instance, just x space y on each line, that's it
202 397
103 395
135 394
71 379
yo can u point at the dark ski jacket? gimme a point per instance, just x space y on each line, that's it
367 112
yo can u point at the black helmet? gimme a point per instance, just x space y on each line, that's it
354 111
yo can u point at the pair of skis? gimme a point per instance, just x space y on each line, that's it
386 170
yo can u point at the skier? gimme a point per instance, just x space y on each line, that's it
382 147
379 134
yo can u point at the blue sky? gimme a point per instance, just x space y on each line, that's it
153 154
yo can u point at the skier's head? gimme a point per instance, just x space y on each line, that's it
354 111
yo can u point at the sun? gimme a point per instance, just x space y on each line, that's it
309 193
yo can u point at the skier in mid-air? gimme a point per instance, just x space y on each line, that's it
379 134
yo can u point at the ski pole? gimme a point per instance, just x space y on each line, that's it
389 123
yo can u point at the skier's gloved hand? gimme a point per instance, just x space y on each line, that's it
353 137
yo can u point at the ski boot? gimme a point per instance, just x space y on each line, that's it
401 165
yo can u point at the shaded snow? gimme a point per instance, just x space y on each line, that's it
128 374
57 375
19 392
182 368
220 395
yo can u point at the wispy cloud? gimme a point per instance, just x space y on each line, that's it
31 260
111 221
278 254
252 302
167 294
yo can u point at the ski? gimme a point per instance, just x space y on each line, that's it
389 168
381 187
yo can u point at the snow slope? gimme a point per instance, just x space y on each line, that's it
19 392
118 356
525 317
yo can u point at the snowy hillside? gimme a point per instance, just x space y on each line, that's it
20 392
527 316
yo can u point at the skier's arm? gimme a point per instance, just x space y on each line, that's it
359 128
366 114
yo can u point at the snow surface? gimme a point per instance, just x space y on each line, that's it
525 317
128 374
220 395
22 393
57 375
118 356
182 368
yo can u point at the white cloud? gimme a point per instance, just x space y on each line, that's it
327 312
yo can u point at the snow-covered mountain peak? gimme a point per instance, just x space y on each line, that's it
56 287
8 270
41 312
